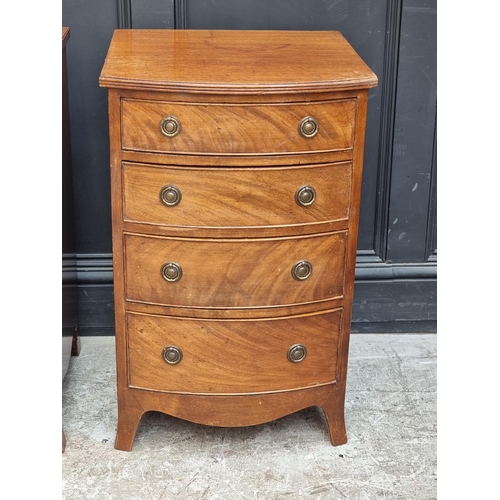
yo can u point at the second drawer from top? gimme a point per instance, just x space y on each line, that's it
230 198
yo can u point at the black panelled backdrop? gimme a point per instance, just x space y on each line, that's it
396 270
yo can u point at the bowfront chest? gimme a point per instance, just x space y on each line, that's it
236 164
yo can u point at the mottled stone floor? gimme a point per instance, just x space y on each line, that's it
390 419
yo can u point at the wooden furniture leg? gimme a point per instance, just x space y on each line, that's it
333 408
128 422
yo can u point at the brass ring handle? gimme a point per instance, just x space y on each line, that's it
170 126
305 196
171 272
308 127
170 196
302 270
297 353
172 355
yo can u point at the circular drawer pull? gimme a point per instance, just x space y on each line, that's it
305 196
308 127
170 196
297 353
302 270
170 126
171 272
172 355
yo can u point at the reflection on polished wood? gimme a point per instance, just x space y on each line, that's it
252 320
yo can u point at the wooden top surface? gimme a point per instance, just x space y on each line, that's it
233 61
65 36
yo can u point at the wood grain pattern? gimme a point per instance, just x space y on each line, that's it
245 313
237 231
231 356
225 61
254 198
237 129
118 257
350 265
226 411
221 161
234 273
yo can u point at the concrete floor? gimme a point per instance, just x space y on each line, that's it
391 429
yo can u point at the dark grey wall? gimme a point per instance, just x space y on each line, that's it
397 256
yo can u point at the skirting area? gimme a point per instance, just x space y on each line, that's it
390 420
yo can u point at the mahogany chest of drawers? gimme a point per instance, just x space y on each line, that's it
236 164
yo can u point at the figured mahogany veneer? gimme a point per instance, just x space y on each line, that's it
234 273
256 197
236 163
218 128
232 356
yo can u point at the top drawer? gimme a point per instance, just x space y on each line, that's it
244 129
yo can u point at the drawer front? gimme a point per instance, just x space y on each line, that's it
258 197
235 273
231 356
236 129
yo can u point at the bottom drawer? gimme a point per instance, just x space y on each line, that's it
232 356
